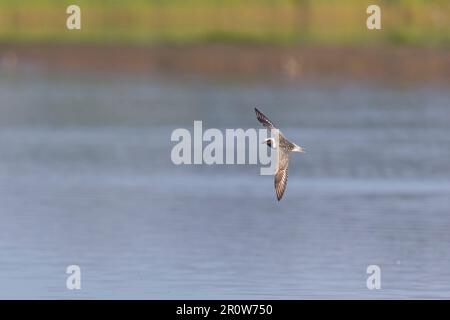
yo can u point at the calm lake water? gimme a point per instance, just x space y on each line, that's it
86 179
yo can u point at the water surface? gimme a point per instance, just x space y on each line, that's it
86 178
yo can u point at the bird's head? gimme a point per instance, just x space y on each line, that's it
270 142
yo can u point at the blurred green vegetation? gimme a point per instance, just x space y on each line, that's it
281 22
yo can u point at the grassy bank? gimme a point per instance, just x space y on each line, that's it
285 22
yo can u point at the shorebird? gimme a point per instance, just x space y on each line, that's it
284 147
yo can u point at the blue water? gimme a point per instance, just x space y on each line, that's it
86 179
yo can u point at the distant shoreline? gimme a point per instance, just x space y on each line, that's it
398 63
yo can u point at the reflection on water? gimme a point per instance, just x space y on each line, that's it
86 178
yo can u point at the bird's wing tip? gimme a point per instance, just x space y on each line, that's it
263 119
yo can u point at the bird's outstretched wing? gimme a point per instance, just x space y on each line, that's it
281 176
264 120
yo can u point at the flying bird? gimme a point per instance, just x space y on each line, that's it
284 147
